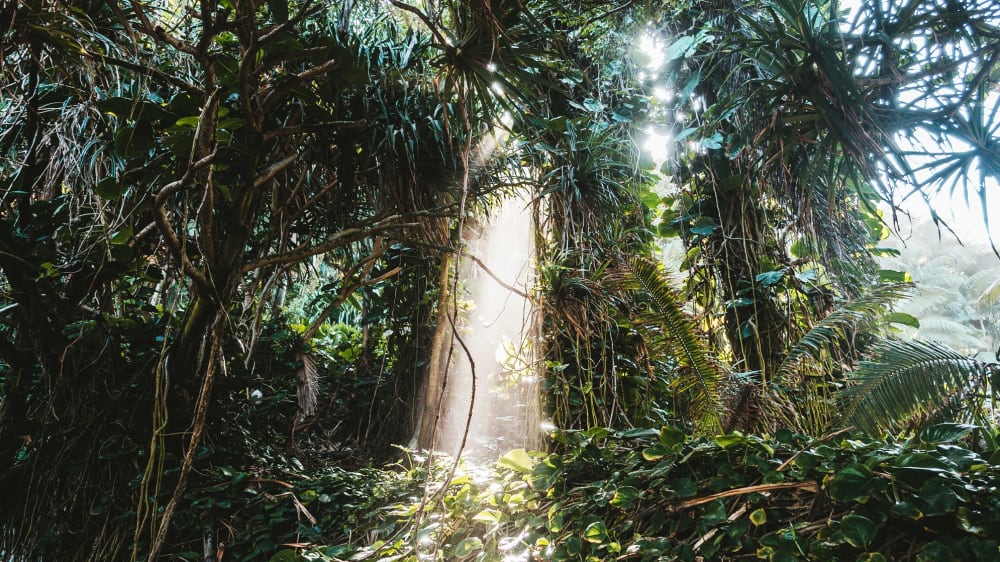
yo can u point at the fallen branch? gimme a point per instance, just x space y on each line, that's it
759 488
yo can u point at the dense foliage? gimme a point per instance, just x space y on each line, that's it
636 495
232 231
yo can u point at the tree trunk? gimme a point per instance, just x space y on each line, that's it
435 386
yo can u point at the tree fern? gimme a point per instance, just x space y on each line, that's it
908 381
669 331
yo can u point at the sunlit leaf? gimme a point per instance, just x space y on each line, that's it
625 496
468 546
596 532
517 459
903 318
679 48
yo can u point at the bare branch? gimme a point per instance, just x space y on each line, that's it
158 32
326 125
342 238
489 272
274 170
351 284
149 71
423 17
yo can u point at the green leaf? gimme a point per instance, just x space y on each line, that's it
596 532
970 522
938 496
574 545
714 512
638 433
488 516
670 331
936 551
922 461
593 105
671 436
858 530
650 200
544 475
625 496
758 517
190 121
851 484
731 440
908 510
765 552
807 276
893 276
834 330
286 555
870 557
121 236
713 142
517 460
132 109
596 433
109 188
770 278
685 487
908 381
946 432
656 452
231 123
468 546
902 318
679 48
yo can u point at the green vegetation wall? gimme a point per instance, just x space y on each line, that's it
228 229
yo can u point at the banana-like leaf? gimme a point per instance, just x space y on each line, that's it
668 329
908 381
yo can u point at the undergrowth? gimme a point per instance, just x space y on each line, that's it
641 494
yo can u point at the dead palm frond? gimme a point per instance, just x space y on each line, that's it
308 385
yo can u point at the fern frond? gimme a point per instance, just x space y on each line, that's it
668 328
834 328
907 380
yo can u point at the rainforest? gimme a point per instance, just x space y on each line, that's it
499 280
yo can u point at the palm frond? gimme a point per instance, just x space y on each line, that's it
908 381
990 297
836 326
668 329
977 284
